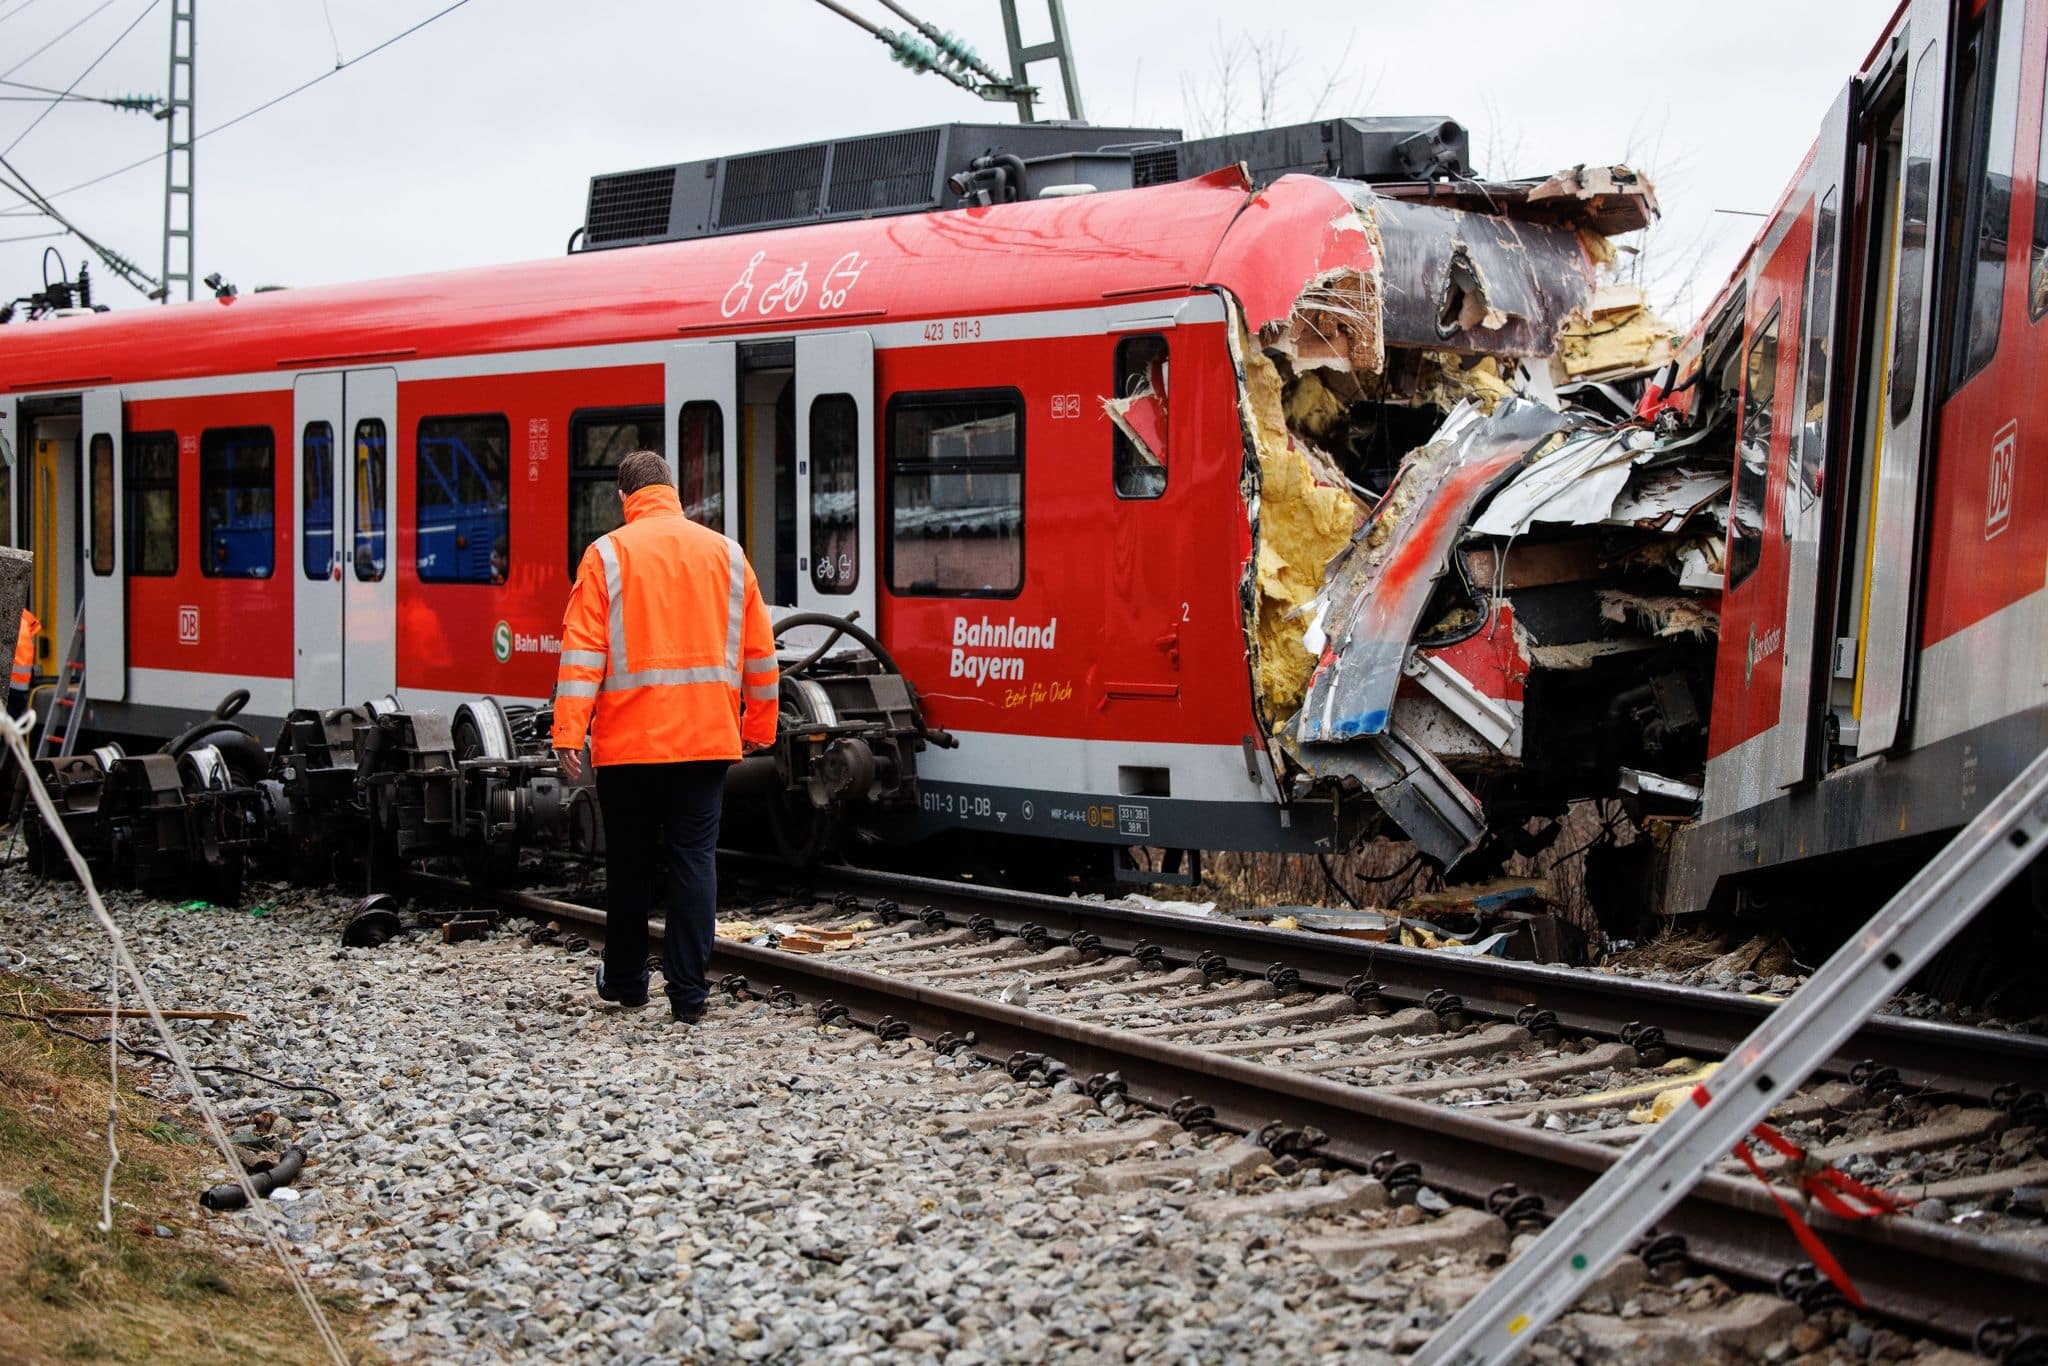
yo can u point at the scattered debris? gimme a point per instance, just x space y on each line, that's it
375 922
263 1179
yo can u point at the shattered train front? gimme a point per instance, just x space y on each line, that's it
1487 525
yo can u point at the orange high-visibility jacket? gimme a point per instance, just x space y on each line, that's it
25 651
665 638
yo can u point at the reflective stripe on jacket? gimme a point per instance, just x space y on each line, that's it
666 644
25 652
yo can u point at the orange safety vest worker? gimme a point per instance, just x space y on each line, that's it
668 655
25 652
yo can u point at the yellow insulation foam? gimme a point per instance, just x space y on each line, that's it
1302 524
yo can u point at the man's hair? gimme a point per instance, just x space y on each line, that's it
641 469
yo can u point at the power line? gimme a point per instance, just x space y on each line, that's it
81 76
54 41
267 104
18 9
141 104
137 278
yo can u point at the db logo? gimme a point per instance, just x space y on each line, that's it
501 641
2005 448
188 625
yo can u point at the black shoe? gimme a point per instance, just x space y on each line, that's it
686 1017
629 995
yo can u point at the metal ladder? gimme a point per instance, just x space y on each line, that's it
67 700
1794 1040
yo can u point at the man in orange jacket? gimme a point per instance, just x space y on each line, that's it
668 668
24 663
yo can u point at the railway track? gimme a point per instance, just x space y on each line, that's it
1502 1085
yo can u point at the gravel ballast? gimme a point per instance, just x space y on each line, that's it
516 1171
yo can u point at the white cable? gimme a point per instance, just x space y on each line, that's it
266 1217
113 1091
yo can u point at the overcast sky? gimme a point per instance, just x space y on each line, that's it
472 140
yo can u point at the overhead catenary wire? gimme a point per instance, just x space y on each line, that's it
66 94
76 25
13 731
16 10
155 157
141 280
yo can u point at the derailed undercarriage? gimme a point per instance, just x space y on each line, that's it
1483 585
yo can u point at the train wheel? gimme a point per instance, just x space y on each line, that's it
481 731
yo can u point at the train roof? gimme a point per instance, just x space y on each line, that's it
1061 252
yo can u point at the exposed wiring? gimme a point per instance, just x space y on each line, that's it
34 124
1339 888
1370 879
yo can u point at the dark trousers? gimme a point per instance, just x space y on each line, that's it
661 817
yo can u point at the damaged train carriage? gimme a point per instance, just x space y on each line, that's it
1481 587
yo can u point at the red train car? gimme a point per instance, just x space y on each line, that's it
1037 447
1882 667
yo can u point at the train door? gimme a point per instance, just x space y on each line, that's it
1140 656
344 620
835 473
106 581
1874 640
1829 177
763 519
701 407
52 534
369 405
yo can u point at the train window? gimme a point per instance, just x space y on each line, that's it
1139 469
237 503
956 494
597 442
1981 182
1753 453
2037 274
1924 121
316 499
102 456
150 488
835 493
1802 486
700 463
368 500
461 507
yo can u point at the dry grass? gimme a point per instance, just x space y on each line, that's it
71 1293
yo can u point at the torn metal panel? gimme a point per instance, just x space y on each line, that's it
1475 283
1379 586
1574 485
1489 717
1608 199
1604 200
1664 499
1416 791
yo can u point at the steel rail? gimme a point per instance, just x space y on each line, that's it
1958 1058
1928 1276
